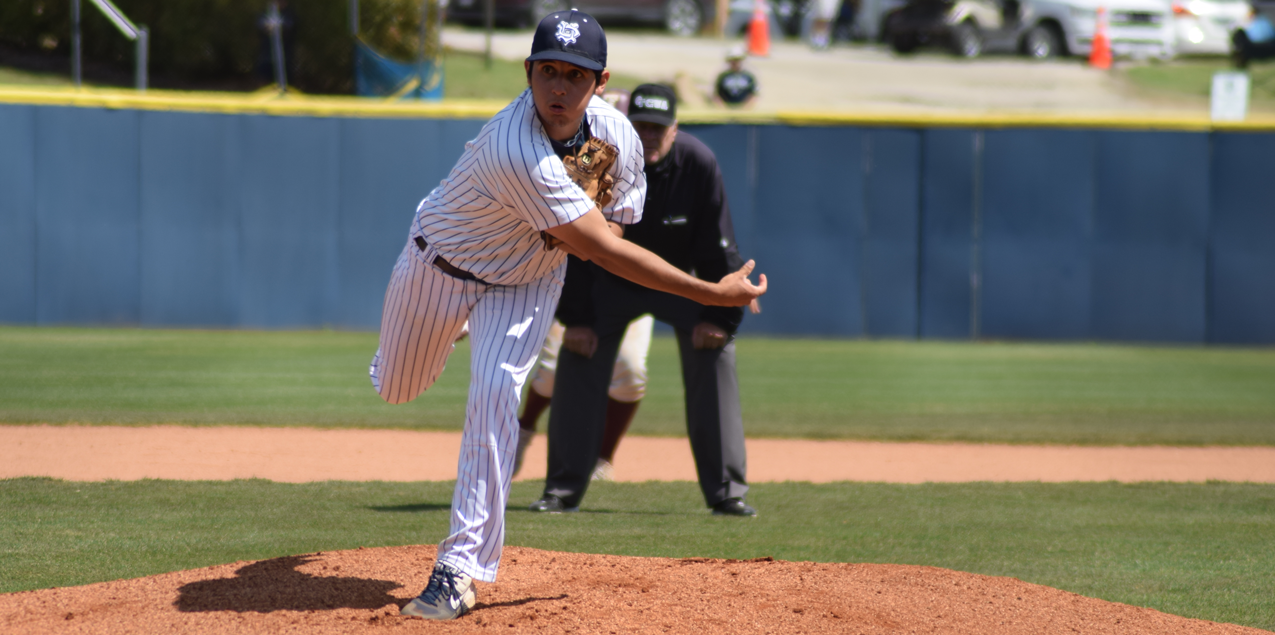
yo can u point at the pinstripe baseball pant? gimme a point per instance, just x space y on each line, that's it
424 312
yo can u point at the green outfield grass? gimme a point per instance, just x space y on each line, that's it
1194 78
465 77
852 389
1200 551
15 77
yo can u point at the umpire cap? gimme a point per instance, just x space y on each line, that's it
654 103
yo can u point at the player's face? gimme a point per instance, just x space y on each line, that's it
657 140
562 91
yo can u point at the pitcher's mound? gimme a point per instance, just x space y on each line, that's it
549 592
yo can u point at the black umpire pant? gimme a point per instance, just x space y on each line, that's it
578 414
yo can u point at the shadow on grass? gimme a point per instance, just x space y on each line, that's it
416 508
597 511
276 585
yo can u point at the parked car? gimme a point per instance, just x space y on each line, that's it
1135 28
1204 27
869 21
1037 28
680 17
967 27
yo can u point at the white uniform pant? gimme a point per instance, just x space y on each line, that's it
628 378
424 312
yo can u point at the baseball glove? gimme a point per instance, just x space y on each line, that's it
588 169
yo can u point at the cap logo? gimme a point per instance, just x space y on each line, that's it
568 32
735 83
654 103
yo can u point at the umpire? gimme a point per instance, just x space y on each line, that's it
687 222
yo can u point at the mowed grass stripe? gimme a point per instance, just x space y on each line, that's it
1009 392
1197 550
805 388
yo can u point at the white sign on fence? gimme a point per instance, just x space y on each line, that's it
1229 96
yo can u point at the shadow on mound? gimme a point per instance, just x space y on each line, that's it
520 602
276 585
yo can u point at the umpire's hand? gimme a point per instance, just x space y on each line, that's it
708 335
580 340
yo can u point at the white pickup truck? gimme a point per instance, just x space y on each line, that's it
1135 28
1037 28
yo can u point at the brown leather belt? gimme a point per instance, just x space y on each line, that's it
446 267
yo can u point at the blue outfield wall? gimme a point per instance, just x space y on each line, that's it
947 278
1240 276
1036 214
114 216
17 214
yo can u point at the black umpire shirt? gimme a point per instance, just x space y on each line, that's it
735 87
685 221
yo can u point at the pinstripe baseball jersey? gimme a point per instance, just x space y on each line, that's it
485 217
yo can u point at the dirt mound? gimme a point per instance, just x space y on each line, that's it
548 592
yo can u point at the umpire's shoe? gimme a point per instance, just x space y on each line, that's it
449 595
551 504
733 507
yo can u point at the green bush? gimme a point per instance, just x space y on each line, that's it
205 39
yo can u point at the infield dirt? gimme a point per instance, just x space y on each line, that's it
293 455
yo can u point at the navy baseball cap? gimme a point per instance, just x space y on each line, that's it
654 103
570 36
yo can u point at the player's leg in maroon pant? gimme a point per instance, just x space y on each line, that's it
533 406
619 416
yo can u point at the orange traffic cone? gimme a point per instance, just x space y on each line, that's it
1100 56
759 31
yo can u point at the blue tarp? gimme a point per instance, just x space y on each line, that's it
378 76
